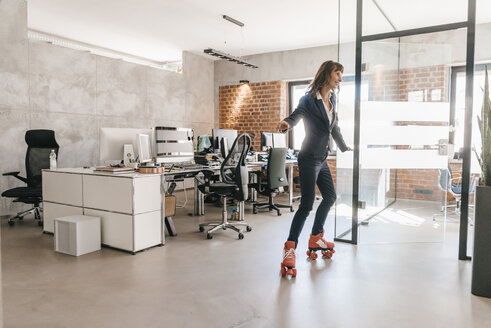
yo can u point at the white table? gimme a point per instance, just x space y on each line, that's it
130 205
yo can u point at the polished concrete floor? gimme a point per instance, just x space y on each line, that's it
401 275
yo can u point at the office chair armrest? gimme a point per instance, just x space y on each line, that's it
208 176
16 175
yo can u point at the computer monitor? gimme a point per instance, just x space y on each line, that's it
266 140
279 140
224 150
112 141
218 134
144 148
174 144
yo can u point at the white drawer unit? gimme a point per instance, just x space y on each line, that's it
116 229
127 232
77 234
52 211
129 205
108 193
63 188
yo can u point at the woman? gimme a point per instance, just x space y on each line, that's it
317 108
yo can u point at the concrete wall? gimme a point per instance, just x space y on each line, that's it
13 85
75 93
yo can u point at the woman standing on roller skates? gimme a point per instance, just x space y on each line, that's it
317 108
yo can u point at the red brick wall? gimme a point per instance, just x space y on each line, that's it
428 81
410 181
252 108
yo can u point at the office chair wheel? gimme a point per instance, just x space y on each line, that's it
201 229
11 223
37 216
209 236
40 223
249 228
279 213
291 209
241 235
254 210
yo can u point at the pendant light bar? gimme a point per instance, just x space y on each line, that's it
233 20
222 55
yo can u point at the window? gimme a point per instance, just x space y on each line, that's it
346 96
458 119
297 134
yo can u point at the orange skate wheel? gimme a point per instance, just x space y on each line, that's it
308 252
283 270
294 274
328 253
313 255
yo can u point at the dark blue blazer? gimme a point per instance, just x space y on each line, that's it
317 126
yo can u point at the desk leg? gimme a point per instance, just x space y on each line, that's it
253 190
241 211
162 214
199 199
171 229
290 185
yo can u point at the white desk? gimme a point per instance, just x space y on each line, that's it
130 205
199 198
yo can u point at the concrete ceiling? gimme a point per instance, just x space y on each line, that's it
160 30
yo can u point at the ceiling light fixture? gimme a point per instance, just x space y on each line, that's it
228 57
222 55
233 20
174 66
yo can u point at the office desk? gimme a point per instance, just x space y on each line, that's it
130 205
199 197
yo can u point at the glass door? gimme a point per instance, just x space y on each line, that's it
404 129
400 115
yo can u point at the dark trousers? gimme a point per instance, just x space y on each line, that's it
313 171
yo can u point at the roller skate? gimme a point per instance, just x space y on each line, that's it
288 264
318 243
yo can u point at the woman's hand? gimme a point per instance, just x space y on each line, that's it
283 126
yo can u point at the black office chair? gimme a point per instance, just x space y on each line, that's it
235 178
39 145
276 179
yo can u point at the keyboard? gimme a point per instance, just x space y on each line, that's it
192 166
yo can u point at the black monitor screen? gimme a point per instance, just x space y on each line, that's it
218 134
266 140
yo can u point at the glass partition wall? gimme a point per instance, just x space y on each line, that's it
397 116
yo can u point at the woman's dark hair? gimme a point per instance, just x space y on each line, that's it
323 75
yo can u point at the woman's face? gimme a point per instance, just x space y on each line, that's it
335 78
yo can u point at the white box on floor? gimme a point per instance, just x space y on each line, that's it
77 234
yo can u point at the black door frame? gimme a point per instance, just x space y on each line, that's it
470 24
